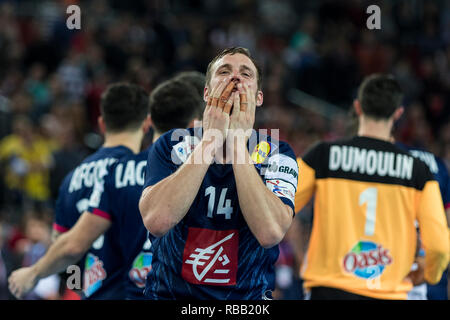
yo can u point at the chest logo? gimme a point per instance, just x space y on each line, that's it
211 257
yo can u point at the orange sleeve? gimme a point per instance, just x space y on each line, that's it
434 232
305 185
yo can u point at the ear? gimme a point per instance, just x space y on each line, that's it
358 108
398 113
101 125
205 93
147 124
259 98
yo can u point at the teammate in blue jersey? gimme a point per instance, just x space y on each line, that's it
73 199
219 198
438 168
173 103
124 121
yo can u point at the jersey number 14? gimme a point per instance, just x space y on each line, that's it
224 205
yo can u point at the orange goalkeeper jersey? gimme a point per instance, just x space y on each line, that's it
368 194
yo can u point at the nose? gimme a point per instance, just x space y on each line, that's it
236 79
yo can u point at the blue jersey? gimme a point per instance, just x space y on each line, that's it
73 200
440 173
116 197
437 168
211 253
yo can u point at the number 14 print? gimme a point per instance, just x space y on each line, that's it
224 205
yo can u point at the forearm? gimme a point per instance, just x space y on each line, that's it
163 205
266 215
58 257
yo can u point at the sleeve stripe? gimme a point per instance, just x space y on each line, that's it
447 206
101 213
59 228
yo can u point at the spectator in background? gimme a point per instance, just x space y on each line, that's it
27 159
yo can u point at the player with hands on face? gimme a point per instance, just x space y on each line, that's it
218 223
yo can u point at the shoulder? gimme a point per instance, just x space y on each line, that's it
177 144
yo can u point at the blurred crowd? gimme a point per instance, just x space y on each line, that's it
51 80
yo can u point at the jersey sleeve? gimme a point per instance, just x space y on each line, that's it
62 221
282 174
101 201
159 162
434 231
60 224
307 176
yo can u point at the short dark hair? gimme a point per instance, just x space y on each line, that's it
232 51
124 106
173 104
380 95
195 78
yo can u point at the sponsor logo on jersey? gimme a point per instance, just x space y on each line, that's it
261 152
142 265
94 274
281 167
367 260
281 188
210 257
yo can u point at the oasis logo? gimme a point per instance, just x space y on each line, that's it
367 260
94 274
142 265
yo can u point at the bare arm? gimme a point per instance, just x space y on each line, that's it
266 215
164 204
55 235
66 250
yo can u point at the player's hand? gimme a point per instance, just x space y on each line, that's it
216 117
22 281
417 276
242 117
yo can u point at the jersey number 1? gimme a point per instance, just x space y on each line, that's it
369 196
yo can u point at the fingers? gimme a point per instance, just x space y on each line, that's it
229 104
212 99
13 288
236 105
217 92
243 97
251 99
225 95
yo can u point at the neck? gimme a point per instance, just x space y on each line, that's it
129 139
156 135
378 129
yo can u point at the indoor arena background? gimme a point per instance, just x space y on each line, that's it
313 53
